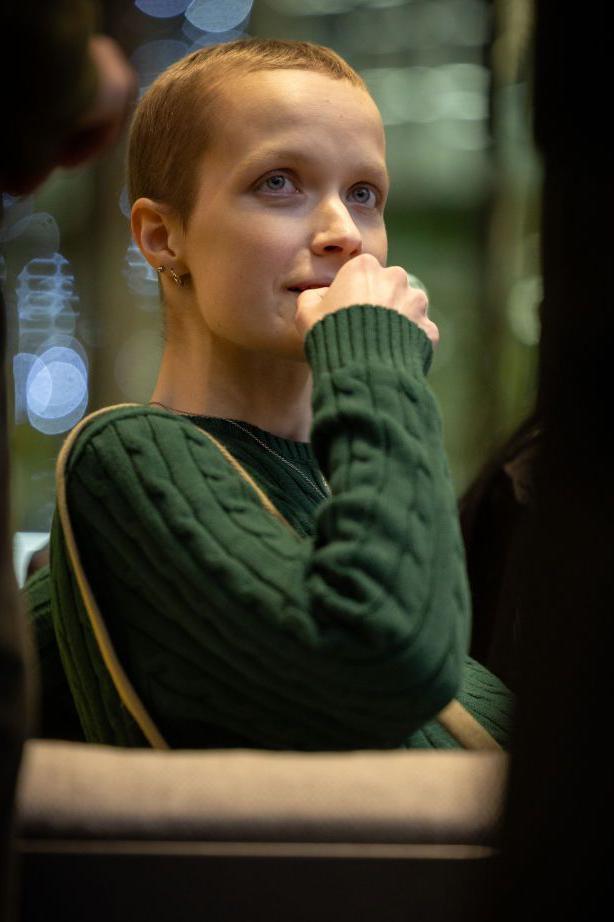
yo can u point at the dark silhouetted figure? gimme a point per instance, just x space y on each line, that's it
66 95
557 833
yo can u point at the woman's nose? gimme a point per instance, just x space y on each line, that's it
336 231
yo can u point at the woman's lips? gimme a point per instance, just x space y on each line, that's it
304 287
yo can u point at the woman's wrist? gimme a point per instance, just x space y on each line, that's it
367 334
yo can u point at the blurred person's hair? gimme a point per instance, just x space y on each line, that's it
176 118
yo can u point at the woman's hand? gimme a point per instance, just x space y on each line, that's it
362 280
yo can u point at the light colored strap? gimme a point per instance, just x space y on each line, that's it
264 499
464 728
124 687
122 683
454 718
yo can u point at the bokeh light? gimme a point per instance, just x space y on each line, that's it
34 235
152 58
51 388
216 38
161 9
199 38
427 94
42 230
140 277
26 543
50 369
14 209
45 289
66 347
423 29
22 365
218 15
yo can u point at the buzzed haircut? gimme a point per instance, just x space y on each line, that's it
176 118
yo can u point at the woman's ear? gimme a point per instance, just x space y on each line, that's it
156 230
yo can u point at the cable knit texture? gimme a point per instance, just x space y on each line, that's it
347 629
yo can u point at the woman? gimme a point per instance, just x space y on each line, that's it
216 578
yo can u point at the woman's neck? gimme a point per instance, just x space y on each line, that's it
268 391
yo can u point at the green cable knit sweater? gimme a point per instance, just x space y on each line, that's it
346 630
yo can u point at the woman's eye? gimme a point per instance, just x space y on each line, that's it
365 195
278 182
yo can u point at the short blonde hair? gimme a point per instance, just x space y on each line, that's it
174 120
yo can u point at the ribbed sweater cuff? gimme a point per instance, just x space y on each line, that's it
367 335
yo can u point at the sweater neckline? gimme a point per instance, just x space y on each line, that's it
229 431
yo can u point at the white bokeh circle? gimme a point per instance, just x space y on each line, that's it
56 390
218 15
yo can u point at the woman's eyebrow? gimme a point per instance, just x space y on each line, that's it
370 168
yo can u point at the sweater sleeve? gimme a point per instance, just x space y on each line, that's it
225 618
56 715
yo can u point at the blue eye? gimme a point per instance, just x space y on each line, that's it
365 195
277 182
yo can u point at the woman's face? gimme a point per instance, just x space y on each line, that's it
293 185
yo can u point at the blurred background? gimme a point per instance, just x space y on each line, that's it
452 80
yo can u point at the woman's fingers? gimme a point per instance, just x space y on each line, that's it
418 307
310 298
363 280
431 329
309 309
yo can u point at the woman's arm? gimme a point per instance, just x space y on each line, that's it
225 618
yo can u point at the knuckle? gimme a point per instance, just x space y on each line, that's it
363 261
398 273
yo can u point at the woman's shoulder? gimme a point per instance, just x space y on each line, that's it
129 417
148 456
130 430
